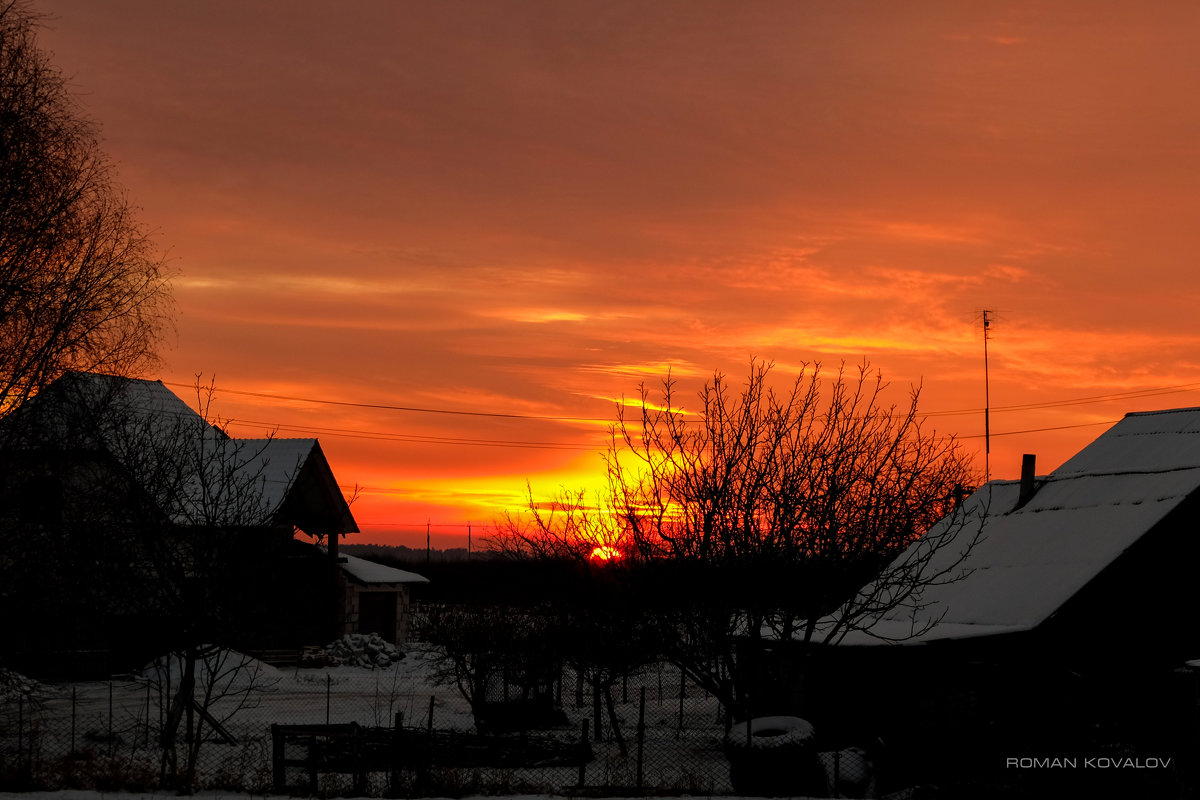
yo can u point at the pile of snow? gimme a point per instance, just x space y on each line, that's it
14 684
225 670
364 650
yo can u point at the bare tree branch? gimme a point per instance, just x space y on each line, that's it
772 506
81 285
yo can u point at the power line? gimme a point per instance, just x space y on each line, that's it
386 407
1100 398
580 446
1042 430
1077 401
417 438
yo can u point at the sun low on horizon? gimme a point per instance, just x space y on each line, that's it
450 240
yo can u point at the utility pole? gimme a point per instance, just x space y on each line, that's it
426 542
987 405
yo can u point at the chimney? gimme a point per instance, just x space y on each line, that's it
1028 485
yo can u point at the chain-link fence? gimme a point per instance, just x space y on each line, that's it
661 733
384 732
108 735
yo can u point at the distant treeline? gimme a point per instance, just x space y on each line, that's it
456 576
490 579
487 578
412 556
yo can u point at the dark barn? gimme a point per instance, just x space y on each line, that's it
1067 633
129 522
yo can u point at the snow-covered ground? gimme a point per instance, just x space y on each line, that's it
119 719
88 794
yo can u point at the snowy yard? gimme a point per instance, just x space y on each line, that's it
71 726
90 737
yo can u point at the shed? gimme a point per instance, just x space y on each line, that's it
376 598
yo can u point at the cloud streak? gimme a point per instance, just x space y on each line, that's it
532 208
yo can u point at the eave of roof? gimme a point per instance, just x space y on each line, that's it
371 573
1083 517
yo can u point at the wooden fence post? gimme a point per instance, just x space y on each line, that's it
20 729
585 752
682 694
278 772
429 739
397 752
357 758
641 735
311 764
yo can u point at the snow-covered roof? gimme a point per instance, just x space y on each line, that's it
255 474
1083 516
197 473
365 571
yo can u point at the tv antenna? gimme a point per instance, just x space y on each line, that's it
987 405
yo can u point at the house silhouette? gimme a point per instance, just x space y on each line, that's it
132 522
1068 629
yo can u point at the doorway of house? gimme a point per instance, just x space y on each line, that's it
377 614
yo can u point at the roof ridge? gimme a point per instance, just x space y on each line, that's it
1154 412
1116 473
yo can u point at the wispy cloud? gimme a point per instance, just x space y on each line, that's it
585 202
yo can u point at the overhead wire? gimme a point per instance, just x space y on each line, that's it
1075 401
1042 430
1136 393
525 444
388 407
416 438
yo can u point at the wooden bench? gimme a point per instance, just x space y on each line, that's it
356 750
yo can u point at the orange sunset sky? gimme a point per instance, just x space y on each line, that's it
527 208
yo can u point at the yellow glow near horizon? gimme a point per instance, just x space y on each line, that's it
605 553
471 265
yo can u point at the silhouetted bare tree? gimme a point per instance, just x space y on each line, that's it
157 519
761 514
197 564
81 286
502 659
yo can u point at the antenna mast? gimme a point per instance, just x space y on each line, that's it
987 426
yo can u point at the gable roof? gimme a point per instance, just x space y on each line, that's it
370 572
197 473
1082 518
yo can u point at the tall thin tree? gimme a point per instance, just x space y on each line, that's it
82 285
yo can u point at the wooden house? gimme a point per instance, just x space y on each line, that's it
1062 631
131 521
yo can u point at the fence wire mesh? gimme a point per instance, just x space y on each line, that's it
662 733
399 732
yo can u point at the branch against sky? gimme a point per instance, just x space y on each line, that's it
491 208
150 512
765 510
81 285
